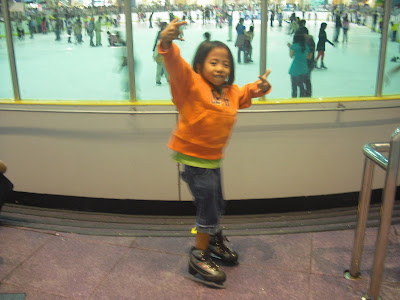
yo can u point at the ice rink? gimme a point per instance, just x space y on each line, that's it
56 70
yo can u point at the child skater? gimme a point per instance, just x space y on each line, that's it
207 102
322 39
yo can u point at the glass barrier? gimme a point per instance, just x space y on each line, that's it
346 68
151 79
344 61
6 90
56 60
391 84
60 56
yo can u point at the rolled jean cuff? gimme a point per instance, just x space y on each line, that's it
208 229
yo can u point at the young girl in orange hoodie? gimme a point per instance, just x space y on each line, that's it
207 101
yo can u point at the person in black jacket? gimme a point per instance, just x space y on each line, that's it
158 58
310 61
338 26
322 39
6 187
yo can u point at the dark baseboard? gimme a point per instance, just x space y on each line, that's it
178 208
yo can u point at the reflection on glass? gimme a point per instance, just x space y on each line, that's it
63 53
391 84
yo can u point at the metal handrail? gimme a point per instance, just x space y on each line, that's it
246 111
373 152
391 165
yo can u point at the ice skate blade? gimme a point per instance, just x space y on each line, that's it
199 279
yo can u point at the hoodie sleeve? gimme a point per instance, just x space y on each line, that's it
180 73
249 91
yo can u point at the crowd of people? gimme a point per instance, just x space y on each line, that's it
74 25
306 54
303 47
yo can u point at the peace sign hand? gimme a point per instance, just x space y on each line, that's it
170 33
263 83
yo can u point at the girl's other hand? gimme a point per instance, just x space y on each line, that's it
170 33
263 83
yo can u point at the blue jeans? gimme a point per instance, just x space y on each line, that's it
299 82
205 185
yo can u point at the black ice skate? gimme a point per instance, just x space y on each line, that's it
221 250
323 66
202 269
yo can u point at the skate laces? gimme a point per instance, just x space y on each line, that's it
212 264
220 241
205 257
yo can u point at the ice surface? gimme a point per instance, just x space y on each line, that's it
52 70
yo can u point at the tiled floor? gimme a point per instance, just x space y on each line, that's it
47 265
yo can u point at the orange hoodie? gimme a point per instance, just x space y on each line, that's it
206 118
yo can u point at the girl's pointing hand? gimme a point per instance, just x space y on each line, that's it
263 83
170 33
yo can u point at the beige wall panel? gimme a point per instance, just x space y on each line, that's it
270 155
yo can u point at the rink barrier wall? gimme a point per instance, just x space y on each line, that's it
315 151
292 150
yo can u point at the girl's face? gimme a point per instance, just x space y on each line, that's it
216 68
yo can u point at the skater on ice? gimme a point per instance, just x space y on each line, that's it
322 39
207 102
299 72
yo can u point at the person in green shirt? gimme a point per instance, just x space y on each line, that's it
97 29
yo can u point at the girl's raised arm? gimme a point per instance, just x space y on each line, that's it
254 90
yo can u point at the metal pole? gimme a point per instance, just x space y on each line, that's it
363 207
389 193
129 47
384 40
10 48
263 37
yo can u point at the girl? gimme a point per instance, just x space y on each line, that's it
322 39
299 72
207 102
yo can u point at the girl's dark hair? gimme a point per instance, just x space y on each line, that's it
299 38
323 26
202 52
